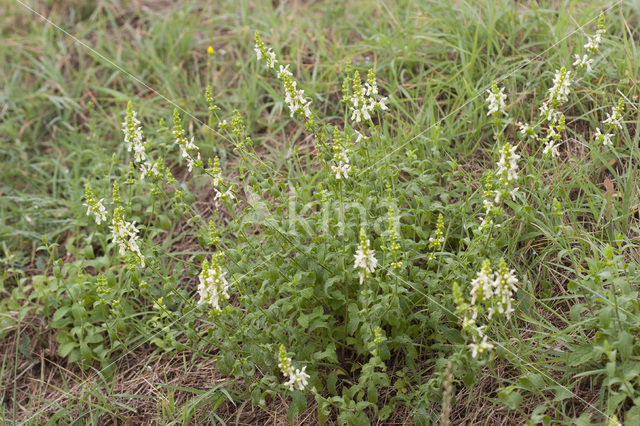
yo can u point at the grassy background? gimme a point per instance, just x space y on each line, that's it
63 97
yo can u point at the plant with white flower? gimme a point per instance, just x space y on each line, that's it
294 98
491 294
583 61
613 121
593 44
215 172
365 260
491 203
507 174
298 378
151 169
552 140
526 131
481 347
125 235
263 53
615 118
341 166
365 100
508 165
559 92
497 100
603 138
133 134
481 287
504 286
549 113
134 139
213 283
94 206
188 149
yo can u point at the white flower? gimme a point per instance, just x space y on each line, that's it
213 284
125 235
271 58
284 70
341 170
614 119
514 193
188 149
479 348
482 285
342 167
548 113
382 104
95 206
497 101
508 164
561 83
604 139
149 169
504 285
223 195
133 135
593 44
582 62
359 137
365 259
488 204
370 88
99 212
550 148
524 128
263 53
365 100
294 97
526 131
297 378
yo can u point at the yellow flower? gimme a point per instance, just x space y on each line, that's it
210 50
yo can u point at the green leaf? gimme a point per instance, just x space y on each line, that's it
632 417
225 364
60 318
539 415
332 379
532 382
510 398
323 413
94 338
303 320
298 405
625 344
372 393
66 348
561 393
581 355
